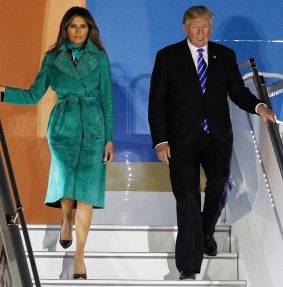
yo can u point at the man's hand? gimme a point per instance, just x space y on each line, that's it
163 152
267 115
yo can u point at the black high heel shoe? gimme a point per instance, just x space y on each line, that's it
79 276
65 243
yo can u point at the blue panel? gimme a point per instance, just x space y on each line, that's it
133 31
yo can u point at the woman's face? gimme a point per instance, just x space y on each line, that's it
77 30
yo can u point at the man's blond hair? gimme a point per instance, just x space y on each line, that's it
198 12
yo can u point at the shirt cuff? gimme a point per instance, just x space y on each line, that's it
259 105
160 144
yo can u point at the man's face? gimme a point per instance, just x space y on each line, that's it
198 31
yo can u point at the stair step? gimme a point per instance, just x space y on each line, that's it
147 283
117 238
133 266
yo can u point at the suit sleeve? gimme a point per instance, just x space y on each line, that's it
33 95
106 97
158 101
238 93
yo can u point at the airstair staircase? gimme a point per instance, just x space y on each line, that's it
130 256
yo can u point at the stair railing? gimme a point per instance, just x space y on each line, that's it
13 210
272 127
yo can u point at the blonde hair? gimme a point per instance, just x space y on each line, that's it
198 12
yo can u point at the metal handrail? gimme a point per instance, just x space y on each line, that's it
272 129
264 74
19 211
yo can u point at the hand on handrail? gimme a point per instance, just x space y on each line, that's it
266 114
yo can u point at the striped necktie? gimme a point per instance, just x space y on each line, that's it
202 74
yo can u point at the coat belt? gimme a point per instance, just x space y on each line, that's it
82 101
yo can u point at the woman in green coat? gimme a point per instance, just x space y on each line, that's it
80 127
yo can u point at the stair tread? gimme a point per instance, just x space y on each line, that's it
101 227
98 282
124 254
129 256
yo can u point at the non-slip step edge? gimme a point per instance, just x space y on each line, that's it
98 227
128 283
139 255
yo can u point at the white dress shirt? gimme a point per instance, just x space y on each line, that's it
195 53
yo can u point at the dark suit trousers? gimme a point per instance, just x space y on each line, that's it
192 223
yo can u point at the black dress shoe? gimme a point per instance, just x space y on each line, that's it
190 275
79 276
64 243
210 245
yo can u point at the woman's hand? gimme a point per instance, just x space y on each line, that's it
108 152
2 89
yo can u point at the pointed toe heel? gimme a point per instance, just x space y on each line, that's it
64 243
79 276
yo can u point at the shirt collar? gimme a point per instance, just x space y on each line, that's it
194 48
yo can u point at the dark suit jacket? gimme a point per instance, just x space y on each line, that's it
177 107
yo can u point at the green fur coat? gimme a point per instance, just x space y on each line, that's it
80 123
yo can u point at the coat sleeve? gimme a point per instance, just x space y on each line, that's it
238 93
30 96
106 97
158 101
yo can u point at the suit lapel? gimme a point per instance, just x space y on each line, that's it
212 63
190 66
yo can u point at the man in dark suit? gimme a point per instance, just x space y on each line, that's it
190 125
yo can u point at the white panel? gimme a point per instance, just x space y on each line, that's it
254 219
137 208
142 208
